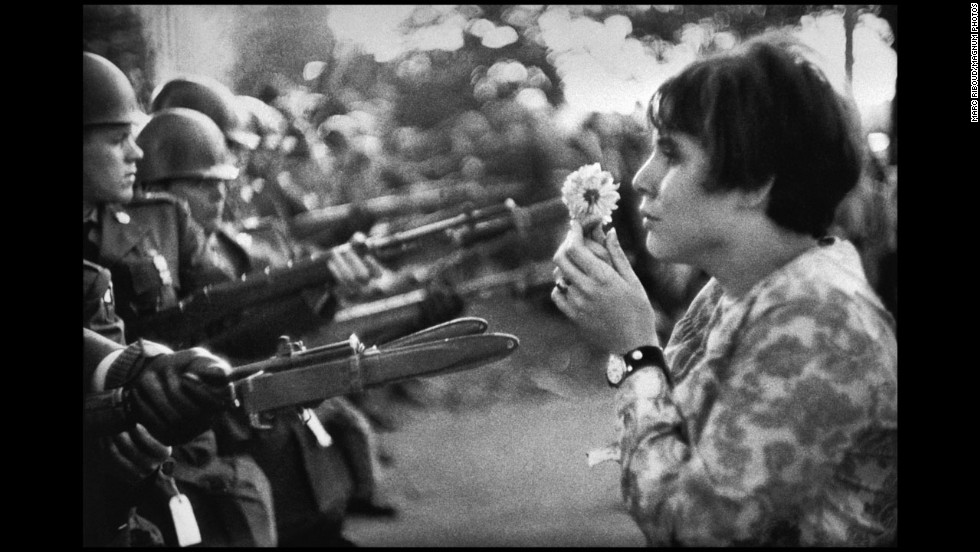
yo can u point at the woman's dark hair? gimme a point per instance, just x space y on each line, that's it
763 111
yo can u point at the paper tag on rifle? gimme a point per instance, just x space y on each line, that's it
316 428
184 521
605 454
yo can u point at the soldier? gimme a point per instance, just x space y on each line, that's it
167 408
312 481
128 477
216 100
149 242
185 156
98 303
274 193
155 253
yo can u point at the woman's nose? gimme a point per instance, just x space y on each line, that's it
647 179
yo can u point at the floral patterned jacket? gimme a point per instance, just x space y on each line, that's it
780 427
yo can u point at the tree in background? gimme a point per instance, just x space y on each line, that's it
276 43
117 34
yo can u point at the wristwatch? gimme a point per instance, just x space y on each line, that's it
620 367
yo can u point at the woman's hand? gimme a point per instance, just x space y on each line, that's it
602 295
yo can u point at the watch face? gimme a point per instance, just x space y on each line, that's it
615 369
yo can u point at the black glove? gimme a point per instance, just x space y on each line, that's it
441 304
177 395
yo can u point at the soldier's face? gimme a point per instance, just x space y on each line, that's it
238 155
109 156
206 199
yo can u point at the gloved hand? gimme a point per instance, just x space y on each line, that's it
441 304
177 394
351 271
134 455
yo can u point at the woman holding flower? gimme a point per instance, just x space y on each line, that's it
770 417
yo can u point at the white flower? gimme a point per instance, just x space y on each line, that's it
590 195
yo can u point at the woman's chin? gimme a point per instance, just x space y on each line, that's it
655 247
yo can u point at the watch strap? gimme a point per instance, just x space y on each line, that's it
642 357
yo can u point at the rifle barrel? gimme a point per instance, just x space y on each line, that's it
525 277
330 351
319 221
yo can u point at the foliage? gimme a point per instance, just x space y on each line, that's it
275 44
117 34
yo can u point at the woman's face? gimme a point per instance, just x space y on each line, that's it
684 223
206 199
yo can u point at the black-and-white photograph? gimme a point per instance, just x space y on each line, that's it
490 275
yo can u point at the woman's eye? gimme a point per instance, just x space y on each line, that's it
668 152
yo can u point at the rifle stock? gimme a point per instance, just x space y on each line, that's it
186 323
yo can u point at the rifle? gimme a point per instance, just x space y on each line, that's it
187 322
299 377
375 318
321 225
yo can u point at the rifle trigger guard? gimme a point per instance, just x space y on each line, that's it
233 395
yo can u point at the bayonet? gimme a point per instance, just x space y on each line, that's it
297 376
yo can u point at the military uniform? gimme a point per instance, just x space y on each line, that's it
156 254
99 303
154 250
268 242
239 249
313 482
105 502
251 246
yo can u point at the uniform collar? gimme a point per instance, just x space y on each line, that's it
119 233
116 212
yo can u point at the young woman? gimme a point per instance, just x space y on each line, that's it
770 417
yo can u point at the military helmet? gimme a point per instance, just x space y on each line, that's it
182 143
107 95
209 97
263 119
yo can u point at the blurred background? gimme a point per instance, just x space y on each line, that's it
366 102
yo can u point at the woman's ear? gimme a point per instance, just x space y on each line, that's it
757 199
